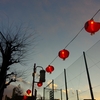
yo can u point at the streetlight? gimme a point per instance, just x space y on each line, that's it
42 76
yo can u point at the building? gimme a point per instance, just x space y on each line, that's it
20 98
17 97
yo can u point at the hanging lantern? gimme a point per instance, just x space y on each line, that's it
28 91
25 97
91 26
63 54
39 84
49 69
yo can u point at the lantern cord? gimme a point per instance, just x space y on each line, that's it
80 30
69 43
53 60
75 37
95 14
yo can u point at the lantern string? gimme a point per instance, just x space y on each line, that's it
68 43
53 60
95 14
74 37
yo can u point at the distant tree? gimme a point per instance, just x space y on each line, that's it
15 43
17 91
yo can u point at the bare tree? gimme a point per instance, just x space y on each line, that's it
17 91
15 43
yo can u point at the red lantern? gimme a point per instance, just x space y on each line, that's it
91 26
25 97
63 54
28 91
49 69
39 84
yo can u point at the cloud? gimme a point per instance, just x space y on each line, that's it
8 91
50 86
64 91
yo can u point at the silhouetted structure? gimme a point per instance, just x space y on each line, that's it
19 97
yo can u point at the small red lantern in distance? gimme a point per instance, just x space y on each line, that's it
28 91
25 97
49 69
91 26
63 54
39 84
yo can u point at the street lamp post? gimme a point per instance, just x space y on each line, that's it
42 76
33 78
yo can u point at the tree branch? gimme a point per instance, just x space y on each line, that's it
1 49
9 82
7 76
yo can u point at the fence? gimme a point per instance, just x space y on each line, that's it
49 92
76 78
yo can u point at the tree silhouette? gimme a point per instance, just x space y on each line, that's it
17 91
15 42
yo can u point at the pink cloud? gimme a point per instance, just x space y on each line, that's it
8 91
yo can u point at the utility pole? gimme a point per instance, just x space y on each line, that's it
77 95
41 79
88 76
33 74
66 84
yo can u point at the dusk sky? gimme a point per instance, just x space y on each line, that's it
56 22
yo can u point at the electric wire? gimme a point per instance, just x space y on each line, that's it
74 37
82 73
86 90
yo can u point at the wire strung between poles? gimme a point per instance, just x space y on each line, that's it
74 37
